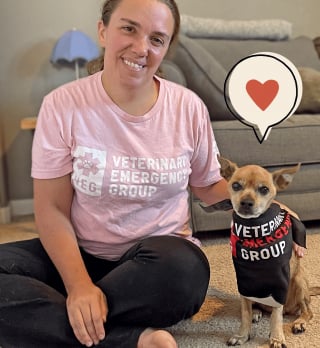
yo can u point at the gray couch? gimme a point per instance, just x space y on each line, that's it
202 65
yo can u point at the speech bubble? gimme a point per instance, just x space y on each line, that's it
262 90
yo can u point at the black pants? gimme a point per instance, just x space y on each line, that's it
157 283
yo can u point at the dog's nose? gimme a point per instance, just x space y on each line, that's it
247 204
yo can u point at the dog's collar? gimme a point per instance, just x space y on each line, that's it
267 223
261 226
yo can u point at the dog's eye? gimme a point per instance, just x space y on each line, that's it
264 190
236 186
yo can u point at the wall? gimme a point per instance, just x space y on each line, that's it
28 32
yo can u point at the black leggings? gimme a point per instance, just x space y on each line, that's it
157 283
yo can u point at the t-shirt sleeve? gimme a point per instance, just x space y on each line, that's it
299 232
51 149
204 164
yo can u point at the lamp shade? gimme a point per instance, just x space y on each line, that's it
74 46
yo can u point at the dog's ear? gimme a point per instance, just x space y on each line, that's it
283 177
227 168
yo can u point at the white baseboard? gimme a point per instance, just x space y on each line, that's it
5 215
21 207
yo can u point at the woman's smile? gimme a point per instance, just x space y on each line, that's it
134 66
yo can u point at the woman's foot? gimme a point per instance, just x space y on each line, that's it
151 338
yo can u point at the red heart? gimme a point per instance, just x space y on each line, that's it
262 93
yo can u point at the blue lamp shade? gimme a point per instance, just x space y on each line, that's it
76 47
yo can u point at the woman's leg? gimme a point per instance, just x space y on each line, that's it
32 300
159 282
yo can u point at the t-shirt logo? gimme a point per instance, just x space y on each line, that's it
88 170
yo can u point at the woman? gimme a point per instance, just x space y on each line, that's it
113 157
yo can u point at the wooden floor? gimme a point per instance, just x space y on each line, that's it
22 227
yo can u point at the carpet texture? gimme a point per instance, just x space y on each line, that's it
219 316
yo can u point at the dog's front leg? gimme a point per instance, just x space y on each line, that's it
277 338
243 334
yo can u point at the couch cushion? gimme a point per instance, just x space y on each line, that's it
300 51
310 101
204 75
206 63
171 71
295 140
269 29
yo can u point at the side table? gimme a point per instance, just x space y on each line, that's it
28 123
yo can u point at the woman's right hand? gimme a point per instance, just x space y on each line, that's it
86 303
87 310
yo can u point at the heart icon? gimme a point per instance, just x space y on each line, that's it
262 93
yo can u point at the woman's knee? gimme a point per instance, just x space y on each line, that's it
178 256
181 268
27 258
191 268
160 281
17 257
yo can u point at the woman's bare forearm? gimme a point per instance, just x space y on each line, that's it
212 194
52 213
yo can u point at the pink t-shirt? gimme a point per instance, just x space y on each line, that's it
130 174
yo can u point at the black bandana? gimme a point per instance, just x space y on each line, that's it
261 251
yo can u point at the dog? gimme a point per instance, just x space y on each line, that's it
262 234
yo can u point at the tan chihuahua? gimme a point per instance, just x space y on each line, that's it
262 236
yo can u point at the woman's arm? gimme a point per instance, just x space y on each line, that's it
212 194
86 304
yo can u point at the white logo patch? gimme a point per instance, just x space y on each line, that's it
88 170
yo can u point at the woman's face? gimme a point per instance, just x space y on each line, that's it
136 40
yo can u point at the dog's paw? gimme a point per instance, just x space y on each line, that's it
298 327
276 343
256 315
237 340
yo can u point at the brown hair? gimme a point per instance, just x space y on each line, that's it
108 8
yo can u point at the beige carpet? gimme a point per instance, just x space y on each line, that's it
219 315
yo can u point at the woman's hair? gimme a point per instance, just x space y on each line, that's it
108 8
